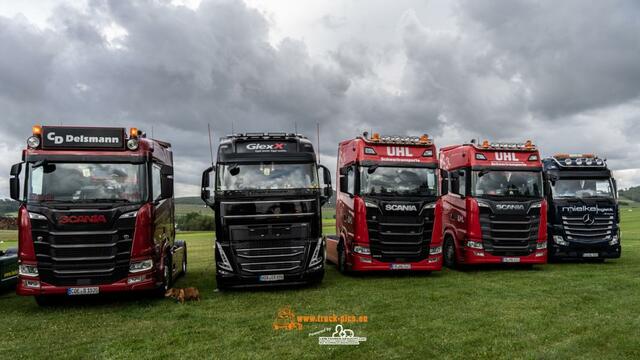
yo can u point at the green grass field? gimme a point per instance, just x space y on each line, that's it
576 310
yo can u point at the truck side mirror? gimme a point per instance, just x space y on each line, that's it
615 187
14 181
327 190
166 182
205 193
444 182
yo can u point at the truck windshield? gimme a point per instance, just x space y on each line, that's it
267 176
499 183
582 188
84 182
387 180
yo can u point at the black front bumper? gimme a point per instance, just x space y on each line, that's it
577 250
231 280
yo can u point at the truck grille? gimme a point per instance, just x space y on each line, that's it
399 238
272 248
83 258
576 228
509 235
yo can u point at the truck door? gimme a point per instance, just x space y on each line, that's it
163 210
454 204
345 211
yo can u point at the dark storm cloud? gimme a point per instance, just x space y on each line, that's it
507 68
574 55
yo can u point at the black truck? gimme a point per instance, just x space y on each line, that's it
8 268
267 197
583 214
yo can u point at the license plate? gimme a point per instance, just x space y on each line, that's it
273 277
590 255
510 260
400 266
83 291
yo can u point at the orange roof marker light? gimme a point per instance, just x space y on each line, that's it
133 133
424 139
486 144
36 130
375 137
528 144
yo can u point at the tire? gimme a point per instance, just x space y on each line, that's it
167 282
449 253
342 260
184 262
221 285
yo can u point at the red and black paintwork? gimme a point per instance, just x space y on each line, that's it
408 237
489 221
80 245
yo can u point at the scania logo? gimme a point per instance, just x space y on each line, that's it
83 219
510 206
400 207
588 219
257 146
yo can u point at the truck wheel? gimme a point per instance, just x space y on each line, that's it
342 260
449 251
184 262
166 278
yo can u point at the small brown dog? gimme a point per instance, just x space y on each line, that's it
182 295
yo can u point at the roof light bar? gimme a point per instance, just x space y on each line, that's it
527 145
400 139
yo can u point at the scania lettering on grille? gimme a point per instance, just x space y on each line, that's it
400 207
83 219
510 206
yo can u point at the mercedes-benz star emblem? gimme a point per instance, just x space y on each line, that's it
588 219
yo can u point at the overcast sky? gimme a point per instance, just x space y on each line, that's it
565 74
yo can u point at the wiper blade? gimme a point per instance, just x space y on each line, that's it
102 200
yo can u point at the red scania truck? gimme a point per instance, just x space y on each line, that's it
96 214
387 209
493 205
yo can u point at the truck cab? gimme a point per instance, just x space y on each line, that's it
267 199
584 217
494 210
96 213
387 209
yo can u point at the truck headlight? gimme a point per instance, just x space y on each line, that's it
558 239
614 240
132 144
33 142
139 266
435 250
28 270
475 244
541 245
363 250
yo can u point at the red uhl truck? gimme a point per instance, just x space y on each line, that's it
387 209
96 214
493 206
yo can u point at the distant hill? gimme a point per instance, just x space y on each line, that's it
8 207
632 193
189 200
